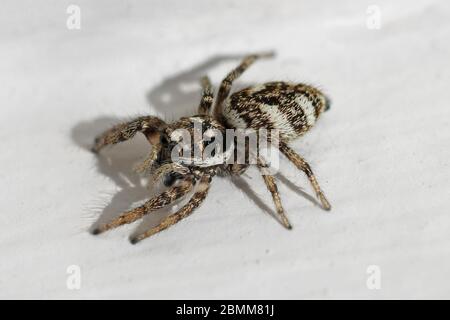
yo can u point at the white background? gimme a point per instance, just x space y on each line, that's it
381 153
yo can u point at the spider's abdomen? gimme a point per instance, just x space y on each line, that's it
291 108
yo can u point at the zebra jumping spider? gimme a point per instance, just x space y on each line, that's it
290 108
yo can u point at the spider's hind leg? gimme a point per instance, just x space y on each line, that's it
148 125
301 164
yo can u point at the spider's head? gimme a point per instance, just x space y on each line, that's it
187 147
184 148
192 142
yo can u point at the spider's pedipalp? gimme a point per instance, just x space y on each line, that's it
148 125
150 160
185 211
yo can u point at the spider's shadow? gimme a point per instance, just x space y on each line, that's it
245 187
179 95
169 97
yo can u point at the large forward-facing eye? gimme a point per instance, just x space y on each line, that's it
171 178
164 139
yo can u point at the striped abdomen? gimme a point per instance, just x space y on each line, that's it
291 108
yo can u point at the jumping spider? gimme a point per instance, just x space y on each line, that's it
290 108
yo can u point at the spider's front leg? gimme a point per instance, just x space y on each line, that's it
148 125
158 202
185 211
207 96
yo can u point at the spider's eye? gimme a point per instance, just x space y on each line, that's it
171 178
164 139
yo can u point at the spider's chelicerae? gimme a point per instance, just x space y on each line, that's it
290 108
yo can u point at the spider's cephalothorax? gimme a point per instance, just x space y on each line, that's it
179 156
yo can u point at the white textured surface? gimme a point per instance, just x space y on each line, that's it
381 153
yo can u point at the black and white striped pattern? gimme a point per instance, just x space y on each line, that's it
291 108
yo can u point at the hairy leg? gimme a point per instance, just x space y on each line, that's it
225 86
148 125
162 200
147 164
185 211
207 96
272 186
301 164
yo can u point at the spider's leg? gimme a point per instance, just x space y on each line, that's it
148 125
301 164
185 211
272 186
148 162
225 86
161 200
207 96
